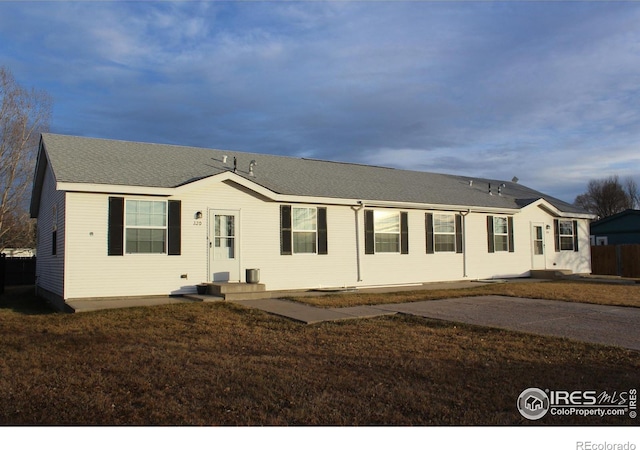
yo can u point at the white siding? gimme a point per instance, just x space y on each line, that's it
500 264
415 267
91 273
50 268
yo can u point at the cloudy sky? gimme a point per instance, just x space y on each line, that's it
545 91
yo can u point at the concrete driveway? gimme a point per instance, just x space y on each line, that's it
610 325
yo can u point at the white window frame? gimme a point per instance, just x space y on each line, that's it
437 232
297 231
566 237
503 235
145 227
376 226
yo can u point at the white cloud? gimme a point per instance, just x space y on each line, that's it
486 89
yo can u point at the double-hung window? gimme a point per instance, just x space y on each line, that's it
386 226
304 229
146 226
444 232
566 232
500 234
386 231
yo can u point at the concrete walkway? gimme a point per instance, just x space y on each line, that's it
608 325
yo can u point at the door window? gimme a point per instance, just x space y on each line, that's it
538 245
225 236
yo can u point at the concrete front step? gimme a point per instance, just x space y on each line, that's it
223 288
218 291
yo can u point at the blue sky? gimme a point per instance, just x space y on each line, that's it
545 91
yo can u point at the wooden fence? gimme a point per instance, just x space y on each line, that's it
621 260
15 271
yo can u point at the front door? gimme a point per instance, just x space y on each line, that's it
537 246
224 255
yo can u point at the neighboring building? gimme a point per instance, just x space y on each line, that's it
129 219
621 228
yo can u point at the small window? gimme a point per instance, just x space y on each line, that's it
146 226
565 231
501 234
444 232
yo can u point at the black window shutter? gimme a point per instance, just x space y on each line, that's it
556 230
285 230
458 233
322 231
369 236
510 232
575 235
429 227
490 238
174 227
115 234
54 242
404 233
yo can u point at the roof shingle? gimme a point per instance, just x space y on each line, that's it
101 161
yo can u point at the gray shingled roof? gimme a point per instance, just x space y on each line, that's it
100 161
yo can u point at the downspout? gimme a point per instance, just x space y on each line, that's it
464 242
356 210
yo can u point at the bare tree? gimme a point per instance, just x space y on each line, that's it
608 196
24 114
632 191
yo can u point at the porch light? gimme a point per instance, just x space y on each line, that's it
199 215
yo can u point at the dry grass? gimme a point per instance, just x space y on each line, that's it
220 364
585 292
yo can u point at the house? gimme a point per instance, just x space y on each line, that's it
534 403
621 228
122 218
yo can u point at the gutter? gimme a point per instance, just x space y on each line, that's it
356 209
464 242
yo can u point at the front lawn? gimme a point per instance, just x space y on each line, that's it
221 364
